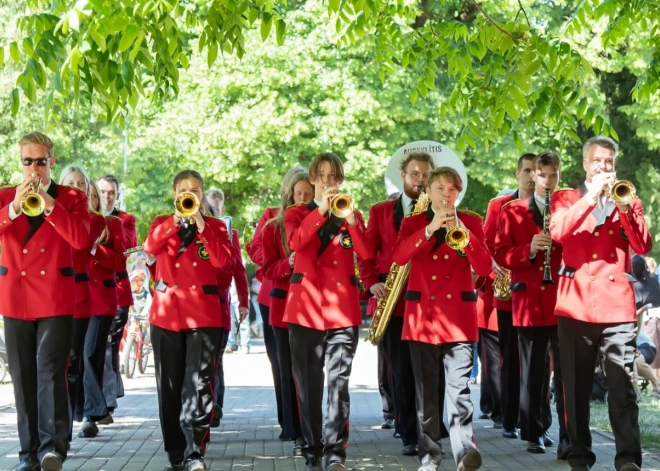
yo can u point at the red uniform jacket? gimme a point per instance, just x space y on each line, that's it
277 270
593 280
384 223
324 289
36 266
186 295
236 271
124 292
490 232
486 312
533 302
255 252
441 300
81 267
104 264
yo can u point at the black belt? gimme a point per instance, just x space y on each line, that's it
81 277
121 275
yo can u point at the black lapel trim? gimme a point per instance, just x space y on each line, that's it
328 231
187 236
516 195
312 205
440 234
536 212
398 213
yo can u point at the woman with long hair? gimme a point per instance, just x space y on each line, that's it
278 266
76 177
186 321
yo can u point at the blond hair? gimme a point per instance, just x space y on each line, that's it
449 174
37 137
68 170
292 177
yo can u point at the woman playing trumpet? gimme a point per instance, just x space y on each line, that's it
186 319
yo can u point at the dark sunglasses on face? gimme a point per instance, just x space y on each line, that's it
40 162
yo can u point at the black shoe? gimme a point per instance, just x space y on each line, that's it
29 464
51 462
89 429
629 467
547 441
335 466
510 433
174 467
484 416
388 424
563 449
536 446
409 450
196 464
470 462
497 424
313 464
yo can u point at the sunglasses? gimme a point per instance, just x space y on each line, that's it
40 162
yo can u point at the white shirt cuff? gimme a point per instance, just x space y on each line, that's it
12 213
427 234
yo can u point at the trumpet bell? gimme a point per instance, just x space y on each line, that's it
457 238
341 206
623 192
33 204
187 204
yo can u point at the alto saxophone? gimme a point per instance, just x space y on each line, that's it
395 283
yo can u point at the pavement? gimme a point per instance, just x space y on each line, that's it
248 436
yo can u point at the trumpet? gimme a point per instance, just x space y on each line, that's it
187 204
32 203
341 206
622 192
457 238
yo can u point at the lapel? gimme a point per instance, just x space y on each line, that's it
37 221
515 195
312 205
187 234
536 212
328 231
398 213
583 189
440 234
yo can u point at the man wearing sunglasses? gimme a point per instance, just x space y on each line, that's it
36 265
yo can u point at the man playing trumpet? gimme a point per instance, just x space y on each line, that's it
596 303
440 315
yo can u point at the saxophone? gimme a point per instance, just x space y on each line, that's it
395 283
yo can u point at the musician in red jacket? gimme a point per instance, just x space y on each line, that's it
37 286
323 311
596 303
440 317
521 247
385 220
109 193
507 334
278 261
186 322
75 176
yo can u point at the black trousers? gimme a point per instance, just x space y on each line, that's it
115 389
455 361
491 390
96 342
580 345
75 371
385 383
311 350
535 410
38 353
398 356
509 369
219 381
289 396
272 353
185 368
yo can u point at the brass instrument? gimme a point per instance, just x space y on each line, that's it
133 250
622 192
187 204
457 238
502 286
341 206
396 281
547 271
32 203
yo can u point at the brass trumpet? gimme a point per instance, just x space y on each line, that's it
341 206
32 203
622 192
187 204
457 238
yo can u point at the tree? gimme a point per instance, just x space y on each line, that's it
516 61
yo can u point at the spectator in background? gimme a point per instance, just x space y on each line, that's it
141 296
647 289
239 327
258 325
652 267
647 353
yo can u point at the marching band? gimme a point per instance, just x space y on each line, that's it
544 284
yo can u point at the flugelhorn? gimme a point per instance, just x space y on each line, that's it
32 203
187 204
457 238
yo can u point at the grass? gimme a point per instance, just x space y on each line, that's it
649 421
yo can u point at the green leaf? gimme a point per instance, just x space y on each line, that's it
253 15
128 37
519 98
280 30
98 38
573 136
212 54
14 53
2 57
334 5
266 25
413 97
614 135
15 101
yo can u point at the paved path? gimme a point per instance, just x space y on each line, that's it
248 437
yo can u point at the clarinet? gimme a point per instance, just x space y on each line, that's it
547 271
